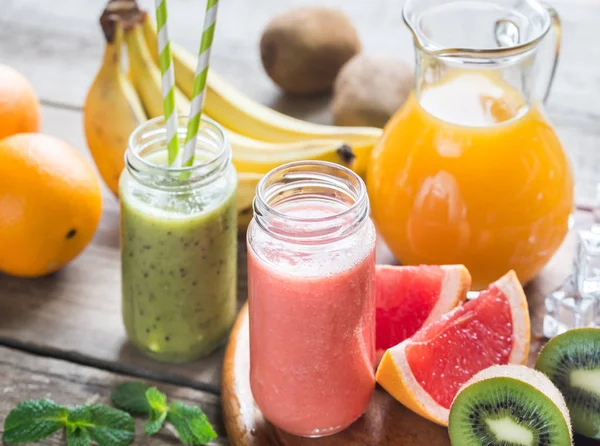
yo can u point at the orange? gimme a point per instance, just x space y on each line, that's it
50 204
19 105
425 372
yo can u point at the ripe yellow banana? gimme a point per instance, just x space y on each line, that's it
112 110
146 76
247 182
184 78
250 155
240 114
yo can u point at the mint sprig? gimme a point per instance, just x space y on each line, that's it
190 422
35 420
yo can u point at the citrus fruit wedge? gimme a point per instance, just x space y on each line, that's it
409 297
426 371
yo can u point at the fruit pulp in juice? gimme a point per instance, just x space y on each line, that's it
312 329
470 174
178 269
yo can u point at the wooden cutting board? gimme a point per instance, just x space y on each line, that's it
385 423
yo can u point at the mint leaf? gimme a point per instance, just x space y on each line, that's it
154 423
78 416
110 427
103 424
33 421
130 396
191 424
158 410
156 399
78 437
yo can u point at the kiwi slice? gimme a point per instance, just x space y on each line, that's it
572 362
509 405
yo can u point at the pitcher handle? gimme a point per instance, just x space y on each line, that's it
556 25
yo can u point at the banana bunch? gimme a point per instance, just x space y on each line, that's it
261 138
112 109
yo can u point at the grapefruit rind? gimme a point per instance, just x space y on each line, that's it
455 285
396 377
521 336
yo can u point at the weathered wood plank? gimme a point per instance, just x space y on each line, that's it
24 376
76 313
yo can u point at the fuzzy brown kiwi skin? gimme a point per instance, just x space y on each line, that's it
530 376
572 343
303 50
369 89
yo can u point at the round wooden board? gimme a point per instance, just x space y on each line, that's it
386 422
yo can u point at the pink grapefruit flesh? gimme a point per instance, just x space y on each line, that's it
475 336
426 371
410 296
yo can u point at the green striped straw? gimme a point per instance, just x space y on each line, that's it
210 20
165 62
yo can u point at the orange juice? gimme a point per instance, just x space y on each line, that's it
471 174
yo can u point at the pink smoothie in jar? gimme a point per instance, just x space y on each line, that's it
311 272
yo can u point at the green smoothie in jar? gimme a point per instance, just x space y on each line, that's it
179 244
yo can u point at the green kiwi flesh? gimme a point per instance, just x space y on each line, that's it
572 362
509 406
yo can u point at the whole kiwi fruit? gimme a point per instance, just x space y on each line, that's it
303 50
369 89
572 362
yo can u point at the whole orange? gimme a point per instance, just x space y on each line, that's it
50 204
19 105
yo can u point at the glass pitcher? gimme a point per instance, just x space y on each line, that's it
469 170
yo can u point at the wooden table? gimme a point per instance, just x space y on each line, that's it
61 336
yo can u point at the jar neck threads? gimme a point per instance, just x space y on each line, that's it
313 184
148 143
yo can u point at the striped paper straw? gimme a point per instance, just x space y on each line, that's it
165 62
210 20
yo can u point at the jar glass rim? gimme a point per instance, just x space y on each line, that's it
151 136
154 122
340 191
358 201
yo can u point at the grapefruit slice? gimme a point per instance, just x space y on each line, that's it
426 371
409 297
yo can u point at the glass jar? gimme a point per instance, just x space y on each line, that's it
311 291
469 170
178 243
